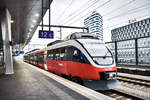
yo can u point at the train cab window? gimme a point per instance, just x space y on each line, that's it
83 59
79 57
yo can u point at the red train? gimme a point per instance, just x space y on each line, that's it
81 58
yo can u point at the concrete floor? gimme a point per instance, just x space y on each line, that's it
29 84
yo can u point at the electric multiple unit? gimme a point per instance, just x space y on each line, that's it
84 60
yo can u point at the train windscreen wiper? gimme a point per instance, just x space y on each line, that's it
105 55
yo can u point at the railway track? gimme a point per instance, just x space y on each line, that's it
130 88
118 95
134 80
134 83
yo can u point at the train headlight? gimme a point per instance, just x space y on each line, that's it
111 59
94 59
111 76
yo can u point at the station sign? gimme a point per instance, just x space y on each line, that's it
21 52
46 34
18 52
18 42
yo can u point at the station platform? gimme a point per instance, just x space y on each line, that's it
145 71
32 83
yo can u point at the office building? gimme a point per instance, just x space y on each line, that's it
126 52
133 30
94 23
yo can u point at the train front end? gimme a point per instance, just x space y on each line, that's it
102 73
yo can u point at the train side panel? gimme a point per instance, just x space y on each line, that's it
58 67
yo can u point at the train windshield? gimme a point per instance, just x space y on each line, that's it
99 52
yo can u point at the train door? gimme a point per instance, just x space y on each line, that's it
45 57
49 60
62 62
76 62
41 60
55 61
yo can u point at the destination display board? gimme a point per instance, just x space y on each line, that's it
46 34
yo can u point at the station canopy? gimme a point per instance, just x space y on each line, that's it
24 13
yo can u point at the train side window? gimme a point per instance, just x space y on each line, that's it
69 53
35 58
62 53
76 55
41 58
56 54
50 54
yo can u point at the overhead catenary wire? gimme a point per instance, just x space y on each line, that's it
114 9
97 8
120 14
120 7
69 5
124 22
77 11
83 10
91 11
70 15
130 11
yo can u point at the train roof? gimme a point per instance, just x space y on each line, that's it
81 35
32 51
55 42
61 44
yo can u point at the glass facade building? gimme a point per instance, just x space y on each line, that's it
131 31
94 23
132 42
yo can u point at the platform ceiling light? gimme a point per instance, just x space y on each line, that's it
11 21
28 33
30 30
37 15
32 26
34 21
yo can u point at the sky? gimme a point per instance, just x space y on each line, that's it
116 13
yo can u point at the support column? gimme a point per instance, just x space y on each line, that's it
60 34
42 14
49 15
6 35
116 53
136 51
